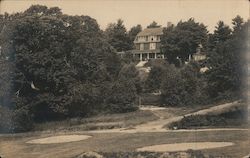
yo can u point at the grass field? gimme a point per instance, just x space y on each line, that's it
13 145
121 143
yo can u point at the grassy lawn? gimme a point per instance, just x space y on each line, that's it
109 121
124 142
119 144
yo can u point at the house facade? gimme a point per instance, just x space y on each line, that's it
199 55
147 44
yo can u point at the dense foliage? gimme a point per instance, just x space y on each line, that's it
55 66
227 60
184 84
117 36
181 41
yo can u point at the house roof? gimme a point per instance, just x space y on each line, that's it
151 31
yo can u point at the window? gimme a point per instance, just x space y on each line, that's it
146 46
137 46
141 46
152 46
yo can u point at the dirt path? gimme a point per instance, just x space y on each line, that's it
158 125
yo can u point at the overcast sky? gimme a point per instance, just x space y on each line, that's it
142 11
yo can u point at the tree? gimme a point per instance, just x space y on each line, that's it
129 72
181 41
132 34
181 87
55 66
43 10
122 96
237 22
117 36
155 77
172 87
153 25
221 34
44 78
226 61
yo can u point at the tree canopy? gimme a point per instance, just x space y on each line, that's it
227 60
117 36
132 34
55 66
153 25
181 41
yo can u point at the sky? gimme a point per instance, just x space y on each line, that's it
143 12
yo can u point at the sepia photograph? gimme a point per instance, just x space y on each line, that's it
124 78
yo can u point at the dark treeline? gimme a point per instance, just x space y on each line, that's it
56 66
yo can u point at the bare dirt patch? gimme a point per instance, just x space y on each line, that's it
59 139
184 146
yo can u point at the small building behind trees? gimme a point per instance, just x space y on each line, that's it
199 55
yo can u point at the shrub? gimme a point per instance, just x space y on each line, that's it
155 76
231 118
199 121
172 87
122 97
129 72
184 86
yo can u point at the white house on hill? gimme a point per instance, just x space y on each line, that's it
147 44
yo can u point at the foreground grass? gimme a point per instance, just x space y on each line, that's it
112 143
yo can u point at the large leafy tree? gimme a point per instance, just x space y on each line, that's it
181 41
55 66
40 59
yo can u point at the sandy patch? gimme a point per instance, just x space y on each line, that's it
59 139
152 108
184 146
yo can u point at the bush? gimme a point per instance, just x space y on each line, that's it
230 118
155 76
129 72
122 97
172 87
199 121
184 86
